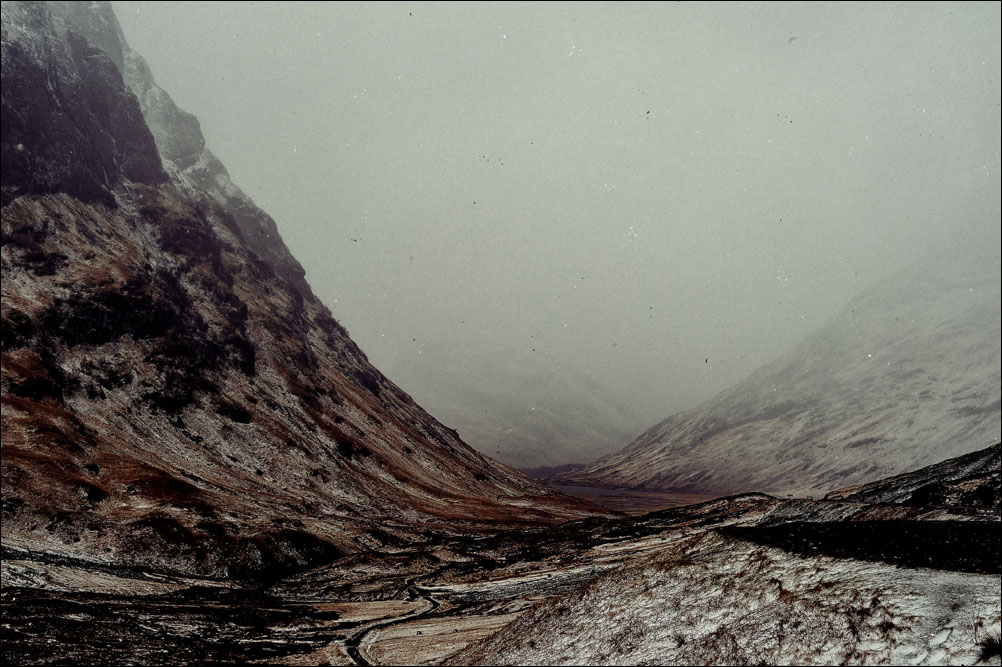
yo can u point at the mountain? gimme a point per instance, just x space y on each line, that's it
907 375
524 408
174 395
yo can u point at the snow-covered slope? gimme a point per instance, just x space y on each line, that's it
908 375
715 600
757 580
174 395
521 407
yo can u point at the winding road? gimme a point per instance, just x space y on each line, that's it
354 645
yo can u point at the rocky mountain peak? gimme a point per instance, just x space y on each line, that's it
70 123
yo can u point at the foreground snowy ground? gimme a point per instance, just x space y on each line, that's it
713 599
701 584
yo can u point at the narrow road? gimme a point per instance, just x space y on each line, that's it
354 644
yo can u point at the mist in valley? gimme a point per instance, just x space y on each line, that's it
726 276
557 224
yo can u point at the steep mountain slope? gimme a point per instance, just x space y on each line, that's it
525 409
909 374
174 396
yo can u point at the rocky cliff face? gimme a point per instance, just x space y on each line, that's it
177 134
908 375
174 396
69 124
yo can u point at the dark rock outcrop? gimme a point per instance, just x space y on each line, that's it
69 122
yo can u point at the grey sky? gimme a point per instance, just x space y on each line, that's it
631 189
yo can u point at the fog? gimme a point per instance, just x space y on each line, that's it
659 196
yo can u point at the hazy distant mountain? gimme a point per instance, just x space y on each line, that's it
174 395
522 407
908 375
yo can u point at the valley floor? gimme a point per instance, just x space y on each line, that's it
630 501
722 581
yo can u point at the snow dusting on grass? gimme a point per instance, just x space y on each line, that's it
716 600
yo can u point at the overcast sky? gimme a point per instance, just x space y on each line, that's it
664 195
